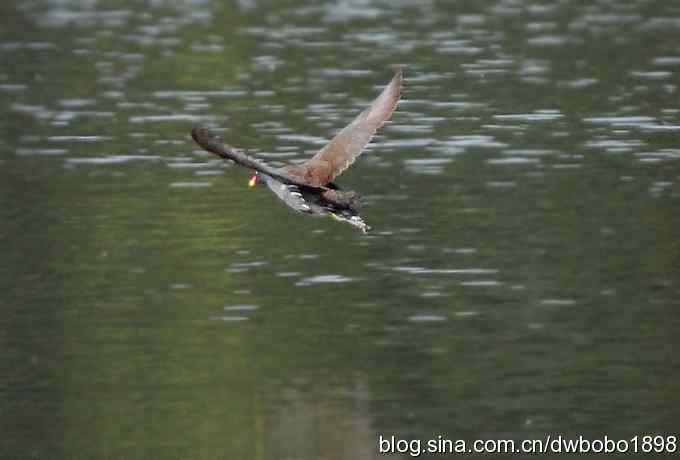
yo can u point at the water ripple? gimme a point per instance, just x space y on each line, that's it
46 152
12 88
621 121
229 318
111 159
557 302
444 271
188 184
615 145
241 307
538 116
79 138
194 95
425 318
512 161
175 117
481 283
324 279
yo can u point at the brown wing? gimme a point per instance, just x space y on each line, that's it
348 144
215 145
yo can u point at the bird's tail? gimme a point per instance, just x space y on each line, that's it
343 199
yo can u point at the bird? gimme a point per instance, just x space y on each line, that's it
309 187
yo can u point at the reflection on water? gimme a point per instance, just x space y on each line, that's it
521 280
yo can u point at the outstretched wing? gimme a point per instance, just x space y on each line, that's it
348 144
215 145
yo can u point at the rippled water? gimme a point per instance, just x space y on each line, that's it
521 278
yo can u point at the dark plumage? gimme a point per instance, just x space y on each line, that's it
308 187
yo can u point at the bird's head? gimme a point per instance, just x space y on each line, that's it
254 180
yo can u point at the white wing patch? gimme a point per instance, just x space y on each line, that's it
289 194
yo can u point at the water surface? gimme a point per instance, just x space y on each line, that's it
521 279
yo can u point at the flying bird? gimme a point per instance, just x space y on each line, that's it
308 187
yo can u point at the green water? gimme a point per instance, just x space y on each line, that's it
522 278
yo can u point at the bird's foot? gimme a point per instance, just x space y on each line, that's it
354 221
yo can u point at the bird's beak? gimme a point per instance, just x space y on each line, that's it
252 182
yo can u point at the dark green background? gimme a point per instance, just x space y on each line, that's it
522 278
